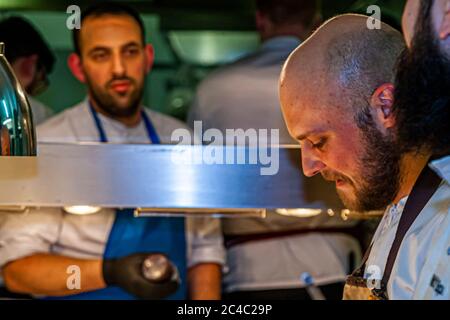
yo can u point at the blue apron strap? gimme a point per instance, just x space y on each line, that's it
98 124
151 131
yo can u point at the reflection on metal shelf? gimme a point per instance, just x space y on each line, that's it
18 209
347 214
299 213
201 212
81 210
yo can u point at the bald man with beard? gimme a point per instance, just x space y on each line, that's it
344 119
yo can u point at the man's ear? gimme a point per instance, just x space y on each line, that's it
444 30
149 56
75 65
382 102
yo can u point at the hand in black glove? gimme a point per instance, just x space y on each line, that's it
127 273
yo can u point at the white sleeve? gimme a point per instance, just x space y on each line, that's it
23 234
204 241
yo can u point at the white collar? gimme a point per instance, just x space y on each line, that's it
113 122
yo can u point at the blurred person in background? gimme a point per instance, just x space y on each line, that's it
31 59
267 257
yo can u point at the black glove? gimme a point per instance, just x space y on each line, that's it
127 273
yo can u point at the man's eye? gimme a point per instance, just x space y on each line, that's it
319 145
99 56
131 52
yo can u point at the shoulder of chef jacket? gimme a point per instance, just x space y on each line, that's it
76 125
40 111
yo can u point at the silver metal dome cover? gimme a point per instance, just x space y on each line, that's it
17 132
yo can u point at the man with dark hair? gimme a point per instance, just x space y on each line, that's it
267 257
99 9
31 59
109 247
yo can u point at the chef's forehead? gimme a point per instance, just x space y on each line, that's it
107 9
109 30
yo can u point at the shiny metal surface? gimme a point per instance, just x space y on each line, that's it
17 134
145 176
211 212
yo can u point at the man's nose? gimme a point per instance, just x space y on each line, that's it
311 165
118 66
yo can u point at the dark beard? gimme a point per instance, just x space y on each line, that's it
380 167
422 91
106 102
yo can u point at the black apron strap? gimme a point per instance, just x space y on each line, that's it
359 272
426 185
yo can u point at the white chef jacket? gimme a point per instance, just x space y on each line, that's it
40 111
245 95
51 230
424 254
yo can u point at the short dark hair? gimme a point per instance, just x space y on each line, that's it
289 11
106 8
23 40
